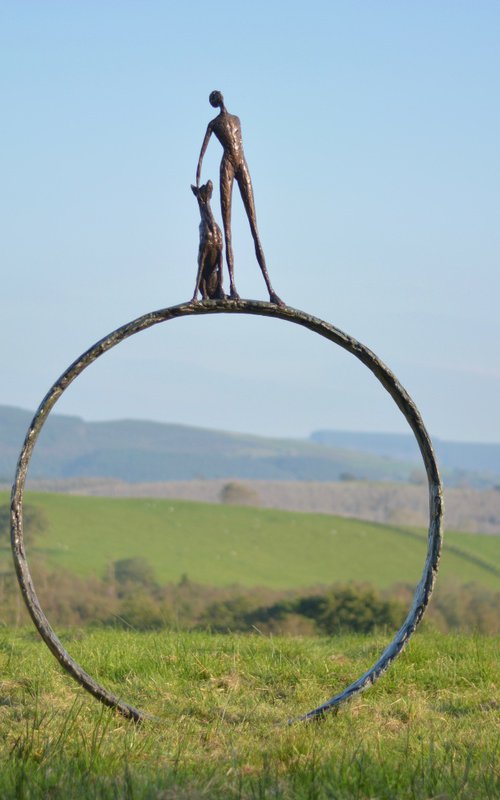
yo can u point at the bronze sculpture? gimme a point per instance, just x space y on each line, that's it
227 129
209 281
209 277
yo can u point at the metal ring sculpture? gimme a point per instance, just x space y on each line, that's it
381 372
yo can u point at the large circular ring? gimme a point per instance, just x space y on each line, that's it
366 356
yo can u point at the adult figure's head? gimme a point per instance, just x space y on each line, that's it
216 99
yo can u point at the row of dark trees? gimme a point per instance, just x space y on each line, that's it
128 596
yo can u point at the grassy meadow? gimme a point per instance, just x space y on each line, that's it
222 545
220 706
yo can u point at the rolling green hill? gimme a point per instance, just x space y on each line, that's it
224 545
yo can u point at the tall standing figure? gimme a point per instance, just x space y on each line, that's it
227 129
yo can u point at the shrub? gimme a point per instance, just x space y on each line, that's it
347 476
237 494
141 612
349 608
227 615
133 570
34 522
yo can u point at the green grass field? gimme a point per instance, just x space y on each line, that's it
222 545
428 729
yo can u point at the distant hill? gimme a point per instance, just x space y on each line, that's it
467 462
140 451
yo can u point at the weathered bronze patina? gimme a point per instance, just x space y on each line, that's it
227 129
291 315
209 276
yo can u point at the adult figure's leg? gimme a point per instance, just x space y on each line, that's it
226 191
246 190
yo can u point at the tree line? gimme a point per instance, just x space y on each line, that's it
128 596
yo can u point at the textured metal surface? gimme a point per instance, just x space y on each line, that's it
226 128
381 372
209 275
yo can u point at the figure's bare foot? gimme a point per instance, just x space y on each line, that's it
194 299
234 295
273 298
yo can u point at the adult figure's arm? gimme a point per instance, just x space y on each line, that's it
202 152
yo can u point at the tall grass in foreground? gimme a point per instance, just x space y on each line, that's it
428 729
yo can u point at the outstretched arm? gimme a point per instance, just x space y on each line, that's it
202 152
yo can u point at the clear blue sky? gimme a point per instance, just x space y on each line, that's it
372 133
